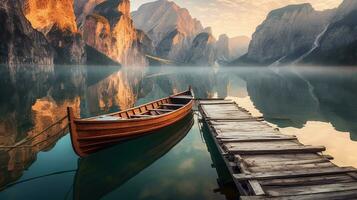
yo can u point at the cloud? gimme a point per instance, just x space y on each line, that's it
186 165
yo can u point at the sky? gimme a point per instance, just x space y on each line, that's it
237 17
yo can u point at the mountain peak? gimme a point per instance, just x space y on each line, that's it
161 17
346 7
223 37
207 30
278 13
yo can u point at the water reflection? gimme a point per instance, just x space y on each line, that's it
317 104
338 144
291 98
224 179
25 111
37 96
34 97
101 173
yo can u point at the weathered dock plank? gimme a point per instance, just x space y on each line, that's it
294 173
266 164
306 181
352 194
311 189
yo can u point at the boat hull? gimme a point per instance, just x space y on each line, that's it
91 179
89 136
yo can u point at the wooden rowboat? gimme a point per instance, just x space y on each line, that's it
100 174
93 134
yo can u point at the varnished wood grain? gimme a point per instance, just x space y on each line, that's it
92 134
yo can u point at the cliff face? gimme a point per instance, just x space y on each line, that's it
145 43
97 32
222 48
202 51
56 20
338 45
346 8
110 30
171 28
19 42
173 46
44 14
82 8
287 33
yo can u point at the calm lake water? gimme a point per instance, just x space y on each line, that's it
317 104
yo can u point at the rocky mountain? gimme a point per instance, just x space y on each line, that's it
171 28
145 43
82 8
345 9
238 46
286 35
338 44
56 20
228 49
203 50
19 42
222 47
110 30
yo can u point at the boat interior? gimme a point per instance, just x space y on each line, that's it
151 109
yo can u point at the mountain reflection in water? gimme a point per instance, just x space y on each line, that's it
319 105
316 104
35 97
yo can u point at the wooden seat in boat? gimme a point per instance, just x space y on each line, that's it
140 116
92 134
173 105
161 110
182 97
107 118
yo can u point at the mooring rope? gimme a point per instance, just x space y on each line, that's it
46 129
53 136
37 177
26 140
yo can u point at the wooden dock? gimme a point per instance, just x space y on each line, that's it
266 164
